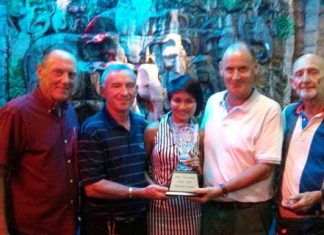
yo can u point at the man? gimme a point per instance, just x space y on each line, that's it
38 174
302 192
112 160
243 136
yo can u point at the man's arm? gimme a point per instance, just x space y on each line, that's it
98 186
11 144
3 219
252 175
302 202
149 135
111 190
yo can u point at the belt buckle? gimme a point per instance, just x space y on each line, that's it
223 205
243 205
232 205
125 220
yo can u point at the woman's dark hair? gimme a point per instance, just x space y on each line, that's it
189 85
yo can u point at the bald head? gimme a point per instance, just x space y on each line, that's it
238 47
59 49
58 53
308 77
309 60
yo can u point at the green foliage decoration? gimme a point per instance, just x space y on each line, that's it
285 27
233 5
17 85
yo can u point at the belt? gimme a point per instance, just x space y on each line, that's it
126 220
234 205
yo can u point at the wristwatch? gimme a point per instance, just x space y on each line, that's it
130 192
224 190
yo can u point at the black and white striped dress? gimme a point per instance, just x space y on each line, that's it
176 215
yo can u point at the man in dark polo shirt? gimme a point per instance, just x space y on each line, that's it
38 168
112 161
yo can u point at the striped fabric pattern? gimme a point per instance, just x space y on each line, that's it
176 215
108 151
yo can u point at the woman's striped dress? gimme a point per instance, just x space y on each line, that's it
177 214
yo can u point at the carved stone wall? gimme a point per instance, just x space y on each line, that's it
190 34
3 52
309 35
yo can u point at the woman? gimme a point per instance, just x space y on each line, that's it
177 214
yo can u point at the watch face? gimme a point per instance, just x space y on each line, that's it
224 190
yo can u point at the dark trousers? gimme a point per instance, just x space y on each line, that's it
136 226
254 219
303 226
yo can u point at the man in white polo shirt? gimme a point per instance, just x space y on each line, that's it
243 141
300 207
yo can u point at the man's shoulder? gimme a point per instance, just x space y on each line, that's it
290 109
292 106
269 103
17 104
269 100
216 97
93 122
138 118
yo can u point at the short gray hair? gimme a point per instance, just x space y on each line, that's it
116 67
239 46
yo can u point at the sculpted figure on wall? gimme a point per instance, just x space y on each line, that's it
202 69
151 94
174 58
170 34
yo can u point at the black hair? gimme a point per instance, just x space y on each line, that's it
189 85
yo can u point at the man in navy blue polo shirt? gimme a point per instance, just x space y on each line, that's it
112 161
300 208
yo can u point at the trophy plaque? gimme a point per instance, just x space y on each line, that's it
184 179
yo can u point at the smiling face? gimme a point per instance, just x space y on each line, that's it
238 70
56 75
183 106
119 90
308 76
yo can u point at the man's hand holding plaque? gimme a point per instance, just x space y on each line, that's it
185 177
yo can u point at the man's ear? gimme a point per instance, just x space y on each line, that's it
256 67
292 82
102 89
39 72
220 66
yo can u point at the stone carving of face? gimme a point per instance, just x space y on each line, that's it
169 57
